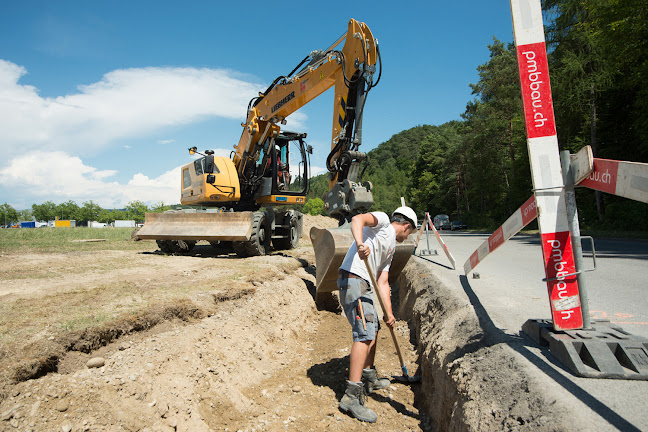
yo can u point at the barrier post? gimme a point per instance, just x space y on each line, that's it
574 229
424 227
546 174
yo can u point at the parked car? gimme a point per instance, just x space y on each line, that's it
441 222
457 225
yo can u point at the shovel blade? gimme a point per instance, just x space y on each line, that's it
406 379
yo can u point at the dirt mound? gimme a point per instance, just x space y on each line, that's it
245 349
316 222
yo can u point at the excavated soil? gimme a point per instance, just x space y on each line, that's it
248 353
245 349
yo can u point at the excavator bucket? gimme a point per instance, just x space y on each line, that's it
216 226
331 246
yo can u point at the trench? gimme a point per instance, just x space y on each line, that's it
472 379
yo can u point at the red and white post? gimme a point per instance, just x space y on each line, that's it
546 170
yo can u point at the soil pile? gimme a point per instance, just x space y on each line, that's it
251 352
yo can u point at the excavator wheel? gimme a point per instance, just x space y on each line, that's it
291 241
259 243
221 247
170 247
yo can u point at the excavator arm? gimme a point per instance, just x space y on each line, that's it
350 70
258 172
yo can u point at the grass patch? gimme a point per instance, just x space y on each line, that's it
46 240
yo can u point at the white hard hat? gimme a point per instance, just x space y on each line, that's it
407 213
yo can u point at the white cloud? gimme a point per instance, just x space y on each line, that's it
126 103
57 177
315 170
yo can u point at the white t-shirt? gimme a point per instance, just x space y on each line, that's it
381 241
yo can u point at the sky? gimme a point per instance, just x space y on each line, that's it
99 101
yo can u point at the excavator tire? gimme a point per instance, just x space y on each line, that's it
221 247
259 243
291 241
171 247
186 245
165 246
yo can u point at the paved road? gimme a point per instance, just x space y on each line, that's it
510 291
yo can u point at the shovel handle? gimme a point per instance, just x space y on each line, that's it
384 309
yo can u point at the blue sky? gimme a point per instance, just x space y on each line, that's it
100 100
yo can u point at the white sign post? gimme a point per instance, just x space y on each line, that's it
546 171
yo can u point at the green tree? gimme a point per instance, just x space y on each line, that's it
136 210
24 215
318 186
389 167
493 154
45 212
160 207
105 216
67 210
435 174
88 212
598 66
314 206
8 214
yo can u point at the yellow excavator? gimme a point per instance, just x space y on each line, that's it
240 201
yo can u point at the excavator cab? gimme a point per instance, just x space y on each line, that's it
283 169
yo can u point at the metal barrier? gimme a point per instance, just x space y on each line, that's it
426 225
595 351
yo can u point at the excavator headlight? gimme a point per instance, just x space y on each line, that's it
211 179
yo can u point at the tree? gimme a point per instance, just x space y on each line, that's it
494 168
136 210
105 216
68 210
314 206
318 186
88 212
24 215
598 66
160 207
390 164
8 214
436 174
45 212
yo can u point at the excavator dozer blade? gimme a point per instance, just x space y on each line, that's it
331 246
216 226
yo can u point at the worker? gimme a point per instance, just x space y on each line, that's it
375 238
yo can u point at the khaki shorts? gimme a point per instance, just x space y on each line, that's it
354 289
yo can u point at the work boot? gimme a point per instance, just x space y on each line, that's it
372 382
353 402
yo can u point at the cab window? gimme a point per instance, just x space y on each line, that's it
186 178
198 165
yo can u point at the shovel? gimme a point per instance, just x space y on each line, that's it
405 378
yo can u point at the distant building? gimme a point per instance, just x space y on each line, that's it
124 224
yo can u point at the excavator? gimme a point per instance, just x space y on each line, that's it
239 202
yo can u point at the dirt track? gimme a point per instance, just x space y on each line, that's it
248 352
